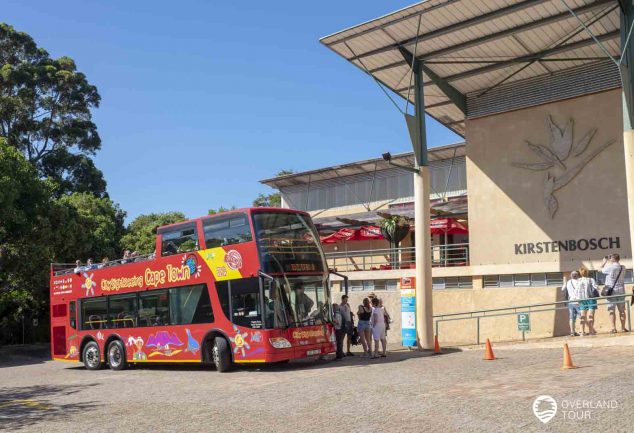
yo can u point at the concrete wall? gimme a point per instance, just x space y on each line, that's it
544 324
511 205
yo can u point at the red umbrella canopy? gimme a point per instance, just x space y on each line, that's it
448 226
364 233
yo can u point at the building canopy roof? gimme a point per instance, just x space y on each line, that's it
471 46
360 167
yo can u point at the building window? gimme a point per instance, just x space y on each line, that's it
538 280
370 285
555 279
491 281
524 280
452 283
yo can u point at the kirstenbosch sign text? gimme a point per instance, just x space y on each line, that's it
568 245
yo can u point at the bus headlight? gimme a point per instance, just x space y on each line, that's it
279 343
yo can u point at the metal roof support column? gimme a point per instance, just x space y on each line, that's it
422 183
627 77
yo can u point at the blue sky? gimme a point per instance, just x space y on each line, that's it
202 99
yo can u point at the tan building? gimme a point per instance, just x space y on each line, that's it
541 190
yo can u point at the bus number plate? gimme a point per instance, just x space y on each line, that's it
313 352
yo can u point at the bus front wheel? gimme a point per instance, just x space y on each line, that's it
220 355
116 356
92 356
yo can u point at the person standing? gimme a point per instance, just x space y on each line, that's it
587 306
377 322
346 315
363 327
572 290
339 331
615 286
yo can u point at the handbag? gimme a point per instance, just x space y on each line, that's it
607 291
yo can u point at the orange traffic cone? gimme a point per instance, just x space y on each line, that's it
567 358
488 353
436 346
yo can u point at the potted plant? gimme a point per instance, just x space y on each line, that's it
394 228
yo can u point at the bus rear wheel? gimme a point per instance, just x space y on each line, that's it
220 355
92 356
116 356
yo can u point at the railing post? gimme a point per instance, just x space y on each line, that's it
629 317
478 329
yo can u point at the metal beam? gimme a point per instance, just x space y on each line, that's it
454 27
527 58
627 68
499 35
451 92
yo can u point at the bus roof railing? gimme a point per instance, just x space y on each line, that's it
71 268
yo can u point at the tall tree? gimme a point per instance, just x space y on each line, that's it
45 112
141 234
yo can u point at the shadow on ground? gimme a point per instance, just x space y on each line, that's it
327 362
26 406
11 356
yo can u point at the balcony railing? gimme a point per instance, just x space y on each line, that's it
399 258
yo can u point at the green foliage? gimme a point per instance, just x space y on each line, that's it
273 199
92 227
221 209
45 113
141 234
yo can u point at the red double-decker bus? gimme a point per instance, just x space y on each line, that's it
245 286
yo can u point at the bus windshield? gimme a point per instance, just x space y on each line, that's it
290 251
288 242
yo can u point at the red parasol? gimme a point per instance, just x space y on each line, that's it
449 226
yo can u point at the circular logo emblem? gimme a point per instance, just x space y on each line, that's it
545 408
233 259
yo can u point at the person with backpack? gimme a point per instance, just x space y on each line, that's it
614 289
340 332
588 305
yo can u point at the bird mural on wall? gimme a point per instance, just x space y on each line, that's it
562 158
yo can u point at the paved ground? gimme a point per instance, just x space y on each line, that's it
407 391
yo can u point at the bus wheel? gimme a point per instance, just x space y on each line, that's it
116 356
220 355
92 356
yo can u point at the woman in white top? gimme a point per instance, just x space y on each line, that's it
377 322
573 289
588 306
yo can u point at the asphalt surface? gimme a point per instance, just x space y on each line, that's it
407 391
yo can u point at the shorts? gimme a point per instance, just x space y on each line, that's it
378 332
573 311
363 325
588 304
617 300
347 327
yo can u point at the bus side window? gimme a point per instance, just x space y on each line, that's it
180 239
190 305
245 302
227 230
94 313
153 308
222 287
73 315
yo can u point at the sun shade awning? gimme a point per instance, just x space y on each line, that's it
469 47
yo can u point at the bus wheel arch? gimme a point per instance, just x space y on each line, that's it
87 339
217 338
